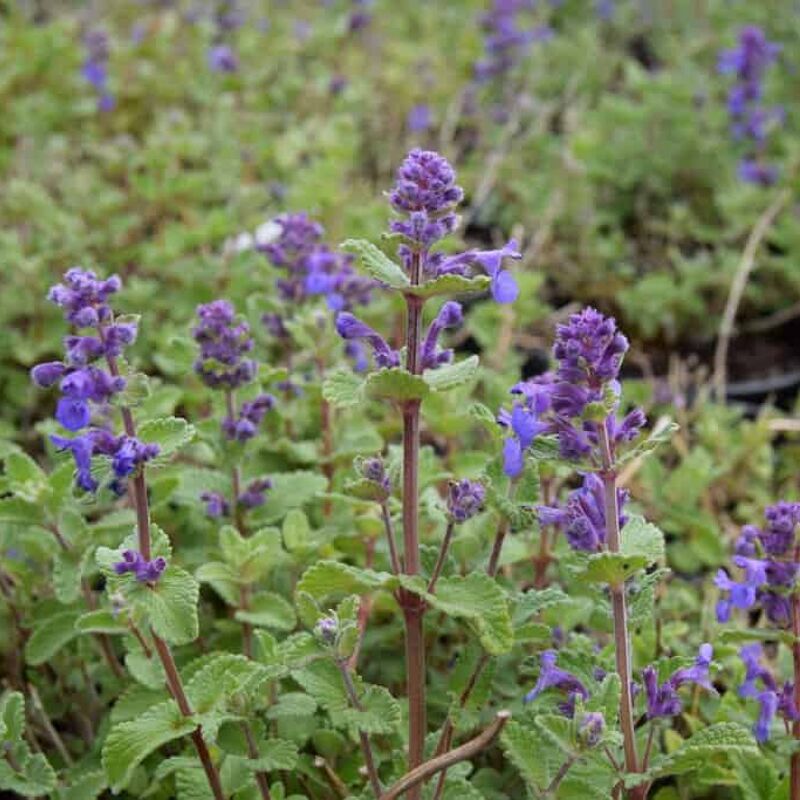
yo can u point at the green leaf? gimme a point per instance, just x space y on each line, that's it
129 743
335 578
641 538
449 376
16 511
274 754
292 704
450 285
49 636
720 741
395 384
84 785
169 433
533 756
269 610
480 601
101 621
25 477
296 532
612 568
323 681
377 263
35 777
342 388
380 712
170 604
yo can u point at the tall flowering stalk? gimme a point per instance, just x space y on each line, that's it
89 379
768 560
751 121
579 403
424 197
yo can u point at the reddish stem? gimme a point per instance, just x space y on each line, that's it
620 613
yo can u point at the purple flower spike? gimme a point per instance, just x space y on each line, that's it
465 499
551 677
751 122
350 327
223 341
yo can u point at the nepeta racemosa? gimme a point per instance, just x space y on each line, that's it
752 122
223 363
578 405
766 562
91 377
424 199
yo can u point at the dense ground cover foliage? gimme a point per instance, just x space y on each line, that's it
399 401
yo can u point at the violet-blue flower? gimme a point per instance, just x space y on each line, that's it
450 316
663 700
582 518
350 327
145 571
552 677
224 340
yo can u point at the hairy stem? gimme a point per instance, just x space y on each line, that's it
174 684
394 559
794 780
620 612
470 749
252 752
437 570
366 747
412 605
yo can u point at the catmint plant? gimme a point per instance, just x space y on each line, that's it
751 121
95 67
223 364
424 199
766 565
89 379
579 405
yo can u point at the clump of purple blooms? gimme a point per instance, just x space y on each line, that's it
224 341
771 699
577 399
662 700
465 499
89 379
767 560
425 196
506 38
752 122
582 518
227 18
311 269
144 571
95 67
